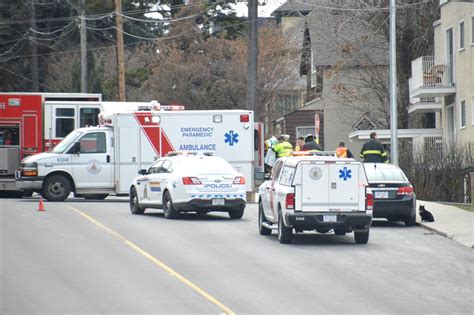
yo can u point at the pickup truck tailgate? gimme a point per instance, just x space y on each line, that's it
330 187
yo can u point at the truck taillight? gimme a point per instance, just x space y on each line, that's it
239 180
369 201
244 118
290 201
405 190
191 181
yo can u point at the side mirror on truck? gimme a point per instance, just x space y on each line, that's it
76 148
142 172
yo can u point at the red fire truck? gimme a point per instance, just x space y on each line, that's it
31 123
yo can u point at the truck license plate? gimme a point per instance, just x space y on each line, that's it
218 202
381 195
329 218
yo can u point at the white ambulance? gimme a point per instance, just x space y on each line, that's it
97 161
321 193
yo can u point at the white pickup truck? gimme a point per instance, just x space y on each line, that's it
321 193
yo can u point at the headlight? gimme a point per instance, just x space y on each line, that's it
30 169
31 165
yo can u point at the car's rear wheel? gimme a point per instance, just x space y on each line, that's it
134 205
261 218
285 234
169 212
361 237
410 220
236 214
56 188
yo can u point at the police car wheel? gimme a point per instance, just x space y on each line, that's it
285 234
134 206
169 212
56 188
361 237
236 214
261 218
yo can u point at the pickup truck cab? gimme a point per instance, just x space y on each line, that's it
321 193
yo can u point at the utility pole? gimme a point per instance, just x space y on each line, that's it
120 51
34 52
82 28
252 100
393 85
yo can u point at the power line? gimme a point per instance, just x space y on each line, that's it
129 44
52 32
360 9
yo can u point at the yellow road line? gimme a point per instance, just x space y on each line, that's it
157 262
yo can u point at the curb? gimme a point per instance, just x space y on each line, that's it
442 234
434 230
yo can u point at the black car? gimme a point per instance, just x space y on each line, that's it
394 198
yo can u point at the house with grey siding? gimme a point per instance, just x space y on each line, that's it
344 61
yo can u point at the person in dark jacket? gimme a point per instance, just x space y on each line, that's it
310 144
373 151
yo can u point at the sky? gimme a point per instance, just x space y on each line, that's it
265 8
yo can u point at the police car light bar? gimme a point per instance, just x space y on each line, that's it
176 153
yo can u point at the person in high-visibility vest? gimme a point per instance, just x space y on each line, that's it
373 151
283 148
343 152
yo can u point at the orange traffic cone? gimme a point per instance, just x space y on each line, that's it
41 205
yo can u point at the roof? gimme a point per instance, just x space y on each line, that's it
384 135
343 35
294 7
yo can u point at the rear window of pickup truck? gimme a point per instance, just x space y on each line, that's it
287 175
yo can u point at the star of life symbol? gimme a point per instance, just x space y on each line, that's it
231 138
345 173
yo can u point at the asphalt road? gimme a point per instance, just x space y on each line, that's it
96 257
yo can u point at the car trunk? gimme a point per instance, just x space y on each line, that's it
387 191
216 183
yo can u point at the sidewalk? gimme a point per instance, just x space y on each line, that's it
450 221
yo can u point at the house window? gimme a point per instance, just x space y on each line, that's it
303 131
472 110
472 29
461 35
463 114
313 71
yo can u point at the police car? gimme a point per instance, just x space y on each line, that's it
322 193
189 182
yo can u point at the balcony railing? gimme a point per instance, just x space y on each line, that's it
428 73
430 78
